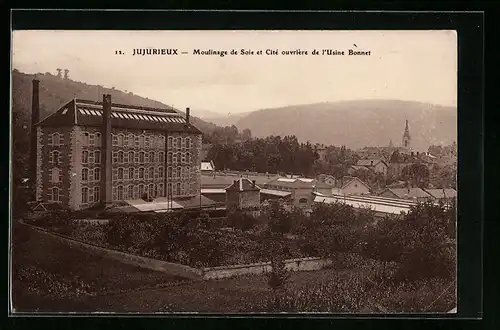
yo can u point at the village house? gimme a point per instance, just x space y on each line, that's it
207 167
415 194
300 189
243 195
90 152
375 165
444 195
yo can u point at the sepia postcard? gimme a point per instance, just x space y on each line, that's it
234 172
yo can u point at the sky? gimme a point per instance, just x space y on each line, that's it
405 65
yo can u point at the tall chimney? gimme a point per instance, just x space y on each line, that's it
187 115
35 118
106 192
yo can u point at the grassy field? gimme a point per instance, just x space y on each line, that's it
48 274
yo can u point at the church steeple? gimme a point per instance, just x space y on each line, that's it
406 136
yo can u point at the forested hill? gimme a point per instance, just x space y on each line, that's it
357 124
56 91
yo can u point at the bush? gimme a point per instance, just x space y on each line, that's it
242 220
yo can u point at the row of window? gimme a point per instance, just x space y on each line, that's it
94 174
133 140
123 192
141 157
126 140
90 195
91 157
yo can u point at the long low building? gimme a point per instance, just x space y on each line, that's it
381 206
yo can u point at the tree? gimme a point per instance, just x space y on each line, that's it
417 174
59 73
246 135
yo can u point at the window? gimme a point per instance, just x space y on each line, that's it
97 157
97 194
55 157
183 158
114 194
141 141
179 157
85 195
131 156
85 138
169 172
131 173
152 156
178 189
151 173
85 157
179 143
169 189
151 190
141 157
141 173
159 190
125 157
169 157
115 157
55 175
136 142
141 190
125 140
98 139
120 193
92 139
174 159
179 171
146 157
160 172
120 140
130 191
91 157
131 140
120 157
136 158
188 143
115 174
97 174
169 143
188 157
115 139
55 139
147 142
161 157
120 173
85 174
55 195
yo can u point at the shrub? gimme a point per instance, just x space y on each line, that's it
278 276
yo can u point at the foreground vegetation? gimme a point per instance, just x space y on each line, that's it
404 264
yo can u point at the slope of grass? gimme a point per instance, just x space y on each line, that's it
48 274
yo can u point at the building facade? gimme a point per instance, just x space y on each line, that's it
91 152
243 195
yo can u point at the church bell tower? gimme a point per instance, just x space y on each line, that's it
406 137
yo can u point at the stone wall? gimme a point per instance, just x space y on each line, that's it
301 264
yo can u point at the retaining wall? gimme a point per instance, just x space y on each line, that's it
126 258
301 264
208 273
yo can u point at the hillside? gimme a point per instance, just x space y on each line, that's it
357 124
55 91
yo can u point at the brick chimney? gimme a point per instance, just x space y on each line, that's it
187 115
106 177
35 118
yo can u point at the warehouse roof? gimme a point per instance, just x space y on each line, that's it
89 113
